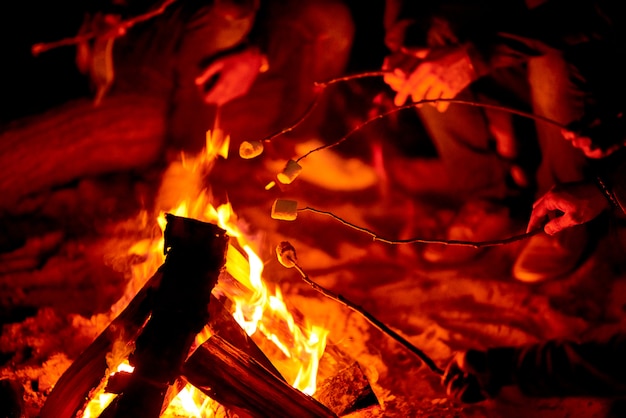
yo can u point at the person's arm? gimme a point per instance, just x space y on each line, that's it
220 53
555 368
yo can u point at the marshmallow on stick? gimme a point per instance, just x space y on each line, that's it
286 254
250 149
285 210
290 172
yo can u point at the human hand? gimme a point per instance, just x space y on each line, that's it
442 73
400 64
231 76
467 378
576 203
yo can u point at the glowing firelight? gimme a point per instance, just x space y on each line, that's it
261 312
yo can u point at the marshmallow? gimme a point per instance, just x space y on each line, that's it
285 210
290 172
250 149
286 254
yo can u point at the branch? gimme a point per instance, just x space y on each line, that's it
322 86
287 256
421 102
376 237
113 32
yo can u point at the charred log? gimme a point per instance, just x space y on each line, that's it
196 254
239 382
89 369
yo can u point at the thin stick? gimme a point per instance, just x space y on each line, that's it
376 237
422 102
321 85
301 119
352 77
324 84
115 31
370 318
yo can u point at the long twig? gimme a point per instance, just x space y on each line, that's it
113 32
376 237
320 86
301 119
352 77
422 102
286 253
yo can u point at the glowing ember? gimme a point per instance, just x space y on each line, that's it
260 312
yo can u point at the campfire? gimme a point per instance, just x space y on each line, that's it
165 354
196 305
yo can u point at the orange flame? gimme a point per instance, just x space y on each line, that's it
260 312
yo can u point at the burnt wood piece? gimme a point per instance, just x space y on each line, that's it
333 363
225 326
89 369
346 392
196 254
237 381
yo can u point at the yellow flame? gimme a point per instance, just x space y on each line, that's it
98 403
217 143
261 311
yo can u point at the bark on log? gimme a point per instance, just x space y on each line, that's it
78 139
196 254
237 381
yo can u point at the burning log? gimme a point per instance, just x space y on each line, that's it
196 254
224 325
161 349
237 381
335 365
89 369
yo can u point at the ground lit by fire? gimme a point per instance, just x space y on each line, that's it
439 310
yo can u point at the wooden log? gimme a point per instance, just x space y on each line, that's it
196 254
76 140
89 369
224 325
334 362
237 381
347 391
